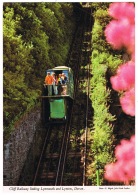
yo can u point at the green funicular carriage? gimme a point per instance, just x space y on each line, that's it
55 107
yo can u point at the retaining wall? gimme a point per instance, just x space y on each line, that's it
15 150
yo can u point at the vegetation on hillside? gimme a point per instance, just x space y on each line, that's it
120 33
36 36
104 59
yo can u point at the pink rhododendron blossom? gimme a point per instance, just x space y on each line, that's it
127 102
125 77
120 34
113 33
124 168
118 11
130 40
133 56
121 151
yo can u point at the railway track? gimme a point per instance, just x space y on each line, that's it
70 161
44 175
75 168
63 157
50 156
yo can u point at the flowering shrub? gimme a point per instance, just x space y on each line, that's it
120 34
128 102
124 169
125 78
101 59
118 11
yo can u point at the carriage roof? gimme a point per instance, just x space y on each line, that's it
61 68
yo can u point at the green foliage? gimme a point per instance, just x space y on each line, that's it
101 19
108 61
102 119
35 38
103 59
99 6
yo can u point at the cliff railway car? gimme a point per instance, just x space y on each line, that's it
57 95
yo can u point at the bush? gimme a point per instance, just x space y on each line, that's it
35 38
104 59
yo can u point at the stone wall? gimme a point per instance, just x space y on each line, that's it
15 150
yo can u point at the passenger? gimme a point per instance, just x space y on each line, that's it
59 84
56 79
64 90
64 78
49 82
54 84
60 79
64 87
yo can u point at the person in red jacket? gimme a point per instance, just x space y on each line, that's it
49 83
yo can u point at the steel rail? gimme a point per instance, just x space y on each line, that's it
86 128
76 86
40 159
75 91
51 154
64 148
82 40
66 136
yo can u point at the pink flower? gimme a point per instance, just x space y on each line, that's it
133 56
121 151
127 102
130 40
118 11
121 34
112 173
125 77
123 170
113 32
